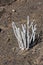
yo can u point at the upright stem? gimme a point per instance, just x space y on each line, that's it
28 32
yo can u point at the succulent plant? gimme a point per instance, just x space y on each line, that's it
24 36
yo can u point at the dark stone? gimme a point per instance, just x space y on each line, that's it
0 29
8 40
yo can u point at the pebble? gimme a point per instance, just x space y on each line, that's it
0 29
13 10
13 49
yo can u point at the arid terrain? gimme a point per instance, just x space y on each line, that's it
17 11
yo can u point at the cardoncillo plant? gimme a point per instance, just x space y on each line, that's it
26 35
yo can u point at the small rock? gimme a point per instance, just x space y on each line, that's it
8 40
13 49
13 10
0 30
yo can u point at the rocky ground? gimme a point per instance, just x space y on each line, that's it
17 11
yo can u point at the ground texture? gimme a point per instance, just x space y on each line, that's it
9 51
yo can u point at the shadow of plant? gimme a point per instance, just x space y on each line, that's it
37 40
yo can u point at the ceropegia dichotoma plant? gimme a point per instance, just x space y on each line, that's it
24 36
